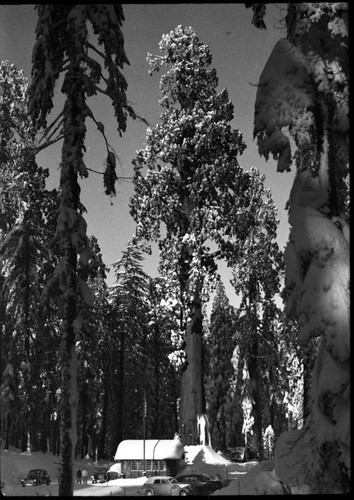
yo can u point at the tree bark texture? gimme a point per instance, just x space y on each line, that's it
192 388
68 361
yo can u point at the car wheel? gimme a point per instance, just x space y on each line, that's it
149 493
183 493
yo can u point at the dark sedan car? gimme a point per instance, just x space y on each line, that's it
99 475
202 484
35 477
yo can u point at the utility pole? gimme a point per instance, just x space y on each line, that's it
144 431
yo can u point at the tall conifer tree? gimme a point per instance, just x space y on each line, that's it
196 190
221 342
63 48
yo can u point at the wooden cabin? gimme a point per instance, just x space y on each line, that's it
162 457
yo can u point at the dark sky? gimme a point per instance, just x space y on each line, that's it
239 51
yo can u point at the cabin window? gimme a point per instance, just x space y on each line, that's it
150 465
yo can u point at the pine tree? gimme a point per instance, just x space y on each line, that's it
63 47
304 87
27 210
129 298
256 280
93 350
221 343
163 392
196 189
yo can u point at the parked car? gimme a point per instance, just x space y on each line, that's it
99 475
236 454
113 474
202 484
36 477
165 486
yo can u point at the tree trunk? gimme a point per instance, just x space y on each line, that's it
192 389
68 409
27 335
68 361
192 409
84 439
156 423
255 386
120 388
253 368
101 449
8 425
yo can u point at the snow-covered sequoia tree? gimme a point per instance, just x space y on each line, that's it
303 91
197 193
63 49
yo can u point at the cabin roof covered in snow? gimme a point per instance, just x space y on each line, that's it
155 449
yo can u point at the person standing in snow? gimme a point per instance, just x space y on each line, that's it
78 476
84 475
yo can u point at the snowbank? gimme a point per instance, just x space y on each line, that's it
203 459
259 480
249 478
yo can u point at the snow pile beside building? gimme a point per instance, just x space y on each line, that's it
202 459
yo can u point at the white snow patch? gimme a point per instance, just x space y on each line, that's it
248 484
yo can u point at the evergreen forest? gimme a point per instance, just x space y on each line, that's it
86 364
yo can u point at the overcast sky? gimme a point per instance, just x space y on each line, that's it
239 51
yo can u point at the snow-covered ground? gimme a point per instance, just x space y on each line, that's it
250 478
15 464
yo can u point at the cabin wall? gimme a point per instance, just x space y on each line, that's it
135 468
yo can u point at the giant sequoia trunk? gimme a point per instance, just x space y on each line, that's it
192 388
192 410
